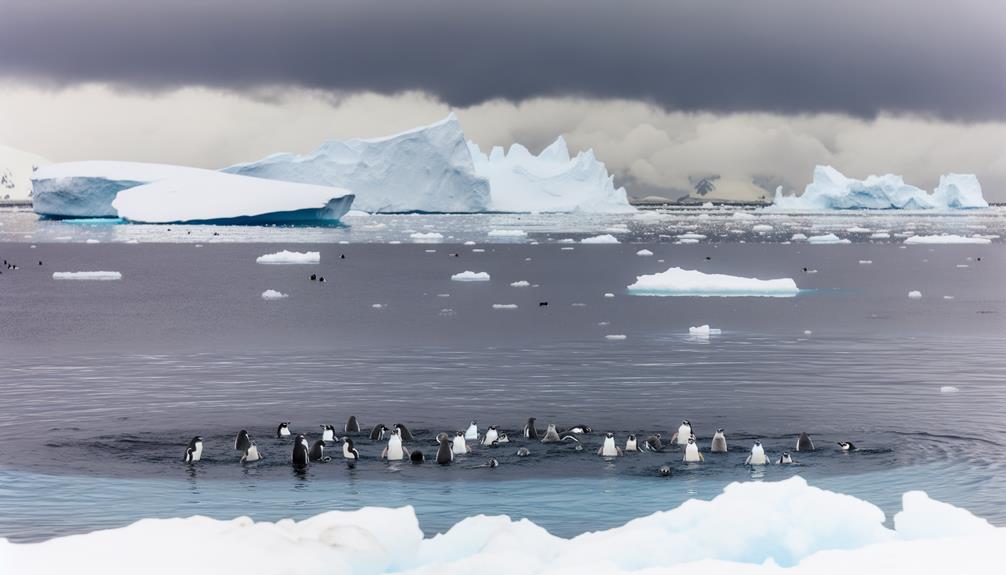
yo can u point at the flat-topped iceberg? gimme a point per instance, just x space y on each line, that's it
831 190
287 257
16 169
549 182
87 276
470 276
428 169
947 239
752 528
681 282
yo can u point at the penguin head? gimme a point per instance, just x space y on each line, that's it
757 444
609 435
719 430
459 434
632 437
686 422
691 440
492 427
474 422
395 431
197 439
493 462
503 437
531 420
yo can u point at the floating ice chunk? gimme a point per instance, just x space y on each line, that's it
798 237
430 251
271 294
504 306
947 239
708 205
567 249
470 276
880 236
691 236
762 228
288 257
866 262
377 306
478 251
827 239
962 265
426 236
688 241
681 282
609 295
507 233
959 191
703 331
742 216
92 241
948 389
615 337
858 230
521 283
914 294
644 252
567 241
601 239
807 332
85 276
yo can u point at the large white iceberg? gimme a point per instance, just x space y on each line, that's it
831 190
549 182
16 169
681 282
752 528
947 239
427 169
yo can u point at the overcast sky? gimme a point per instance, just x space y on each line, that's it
665 91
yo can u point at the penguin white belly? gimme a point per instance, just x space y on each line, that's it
346 452
252 454
459 446
692 454
472 432
395 452
684 432
284 432
630 445
197 453
609 449
328 436
490 437
758 457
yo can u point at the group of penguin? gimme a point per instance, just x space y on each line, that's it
448 446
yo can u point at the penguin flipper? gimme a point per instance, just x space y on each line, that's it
406 451
701 457
384 454
568 437
619 451
747 461
600 450
674 438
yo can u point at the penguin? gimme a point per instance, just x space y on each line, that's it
352 426
552 436
804 443
473 430
417 457
194 450
442 436
846 446
328 434
342 256
529 430
283 430
395 451
404 432
692 453
609 449
314 277
785 458
300 453
630 443
719 444
578 430
653 443
317 452
348 451
523 452
492 463
242 441
321 279
757 456
460 446
491 436
445 454
251 454
683 433
664 471
377 434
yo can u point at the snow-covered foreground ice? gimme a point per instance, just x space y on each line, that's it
87 276
681 282
288 257
755 527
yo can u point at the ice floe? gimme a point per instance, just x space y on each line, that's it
601 239
521 283
644 252
504 306
915 294
507 233
827 239
681 282
704 331
615 336
87 276
426 236
288 257
947 239
271 294
470 276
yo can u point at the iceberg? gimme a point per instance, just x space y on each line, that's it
428 169
681 282
549 182
470 276
947 239
601 239
831 190
288 257
16 169
752 528
827 239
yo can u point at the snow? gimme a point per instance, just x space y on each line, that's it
427 169
469 276
644 252
681 282
288 257
947 239
601 239
827 239
703 331
549 182
507 233
93 276
521 283
16 168
914 294
271 294
831 190
751 528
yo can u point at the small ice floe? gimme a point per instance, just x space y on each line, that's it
92 241
644 252
567 241
691 236
578 304
798 237
947 239
443 295
87 276
915 294
609 294
866 262
567 249
478 251
507 233
504 306
807 332
426 236
288 257
601 239
948 297
880 236
521 283
377 306
681 282
615 336
470 276
688 241
742 216
271 294
948 389
708 205
430 251
704 331
962 265
827 239
469 243
395 242
762 228
858 230
603 323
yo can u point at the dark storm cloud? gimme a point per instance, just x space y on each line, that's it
858 57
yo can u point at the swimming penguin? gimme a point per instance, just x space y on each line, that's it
317 452
460 446
395 451
352 426
653 443
785 458
348 451
314 277
328 434
194 450
803 443
523 452
417 457
492 462
664 471
683 433
846 446
609 449
529 430
473 430
692 453
491 436
321 279
283 430
300 452
442 436
630 444
251 454
242 441
578 430
552 436
404 432
719 444
377 434
757 456
445 455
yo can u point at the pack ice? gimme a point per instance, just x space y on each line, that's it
831 190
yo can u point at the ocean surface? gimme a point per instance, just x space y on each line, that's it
104 383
